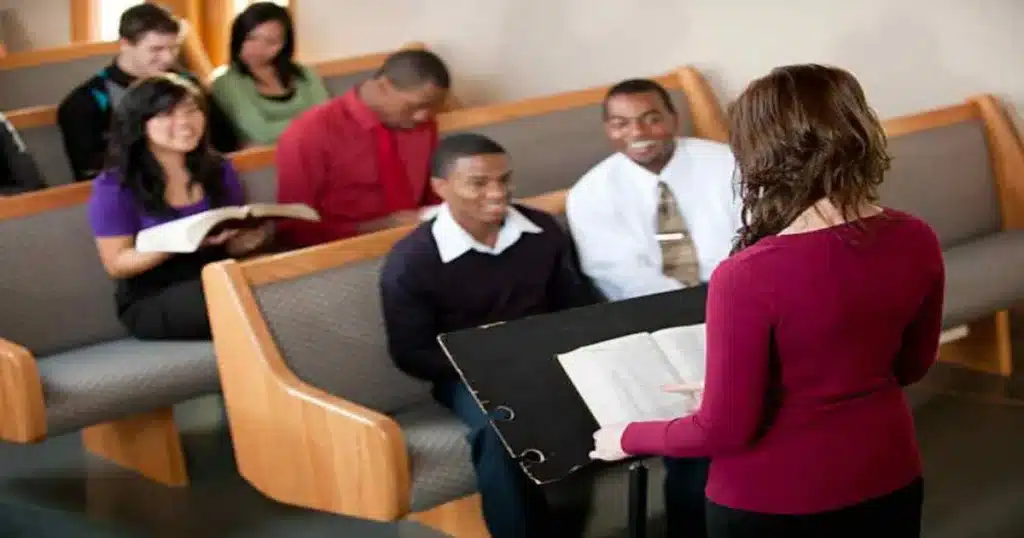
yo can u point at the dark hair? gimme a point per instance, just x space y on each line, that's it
636 86
800 134
137 21
129 153
457 146
414 68
253 16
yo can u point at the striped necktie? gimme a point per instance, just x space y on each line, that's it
678 253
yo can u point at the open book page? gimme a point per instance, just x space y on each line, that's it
620 380
684 347
186 234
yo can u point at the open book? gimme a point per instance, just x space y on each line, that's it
620 379
186 234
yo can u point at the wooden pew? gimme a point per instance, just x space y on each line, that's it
45 76
60 332
961 169
351 444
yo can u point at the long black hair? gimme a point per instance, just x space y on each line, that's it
129 153
256 14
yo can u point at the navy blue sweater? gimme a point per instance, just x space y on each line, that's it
423 297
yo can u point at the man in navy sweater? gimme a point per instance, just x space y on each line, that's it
480 260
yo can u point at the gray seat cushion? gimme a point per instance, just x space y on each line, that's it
983 276
441 469
102 382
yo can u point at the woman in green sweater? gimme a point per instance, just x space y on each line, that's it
263 89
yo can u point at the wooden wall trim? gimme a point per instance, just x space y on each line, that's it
22 407
66 53
218 16
83 20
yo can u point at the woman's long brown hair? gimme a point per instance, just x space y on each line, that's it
800 134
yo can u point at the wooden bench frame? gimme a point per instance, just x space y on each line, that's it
278 420
987 347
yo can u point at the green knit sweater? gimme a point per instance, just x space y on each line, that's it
258 119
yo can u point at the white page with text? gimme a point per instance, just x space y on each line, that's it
620 380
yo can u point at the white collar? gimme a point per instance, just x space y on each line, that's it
453 241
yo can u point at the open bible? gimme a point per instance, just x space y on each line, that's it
621 379
186 234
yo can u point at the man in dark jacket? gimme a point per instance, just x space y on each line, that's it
150 40
18 171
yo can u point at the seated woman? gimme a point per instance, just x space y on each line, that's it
161 168
263 89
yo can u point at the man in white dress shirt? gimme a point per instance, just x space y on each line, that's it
658 215
613 209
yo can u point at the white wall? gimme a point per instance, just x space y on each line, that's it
909 54
33 24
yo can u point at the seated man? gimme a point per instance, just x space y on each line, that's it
657 216
479 260
18 171
362 159
150 39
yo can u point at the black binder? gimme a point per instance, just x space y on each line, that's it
513 372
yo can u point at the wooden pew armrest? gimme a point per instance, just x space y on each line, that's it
22 407
294 442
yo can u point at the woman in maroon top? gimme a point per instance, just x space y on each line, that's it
829 306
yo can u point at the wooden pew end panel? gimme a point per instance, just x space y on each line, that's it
22 407
293 442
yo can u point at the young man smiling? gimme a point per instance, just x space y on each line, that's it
480 260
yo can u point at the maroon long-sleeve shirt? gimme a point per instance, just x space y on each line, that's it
810 339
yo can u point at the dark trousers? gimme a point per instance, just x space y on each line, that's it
177 312
897 514
514 507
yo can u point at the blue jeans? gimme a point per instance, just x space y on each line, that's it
515 507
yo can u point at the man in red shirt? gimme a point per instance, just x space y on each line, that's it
362 160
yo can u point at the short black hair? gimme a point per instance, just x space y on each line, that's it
457 146
413 68
634 86
137 21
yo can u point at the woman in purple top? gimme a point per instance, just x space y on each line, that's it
829 306
161 168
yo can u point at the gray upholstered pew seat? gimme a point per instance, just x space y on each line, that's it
944 175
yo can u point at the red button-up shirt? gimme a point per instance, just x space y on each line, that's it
328 159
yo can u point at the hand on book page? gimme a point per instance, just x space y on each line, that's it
690 389
608 444
220 238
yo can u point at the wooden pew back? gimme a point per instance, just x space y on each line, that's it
946 169
44 77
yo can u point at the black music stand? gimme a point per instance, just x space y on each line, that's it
512 370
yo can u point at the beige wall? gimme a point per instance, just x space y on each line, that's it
909 54
32 24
